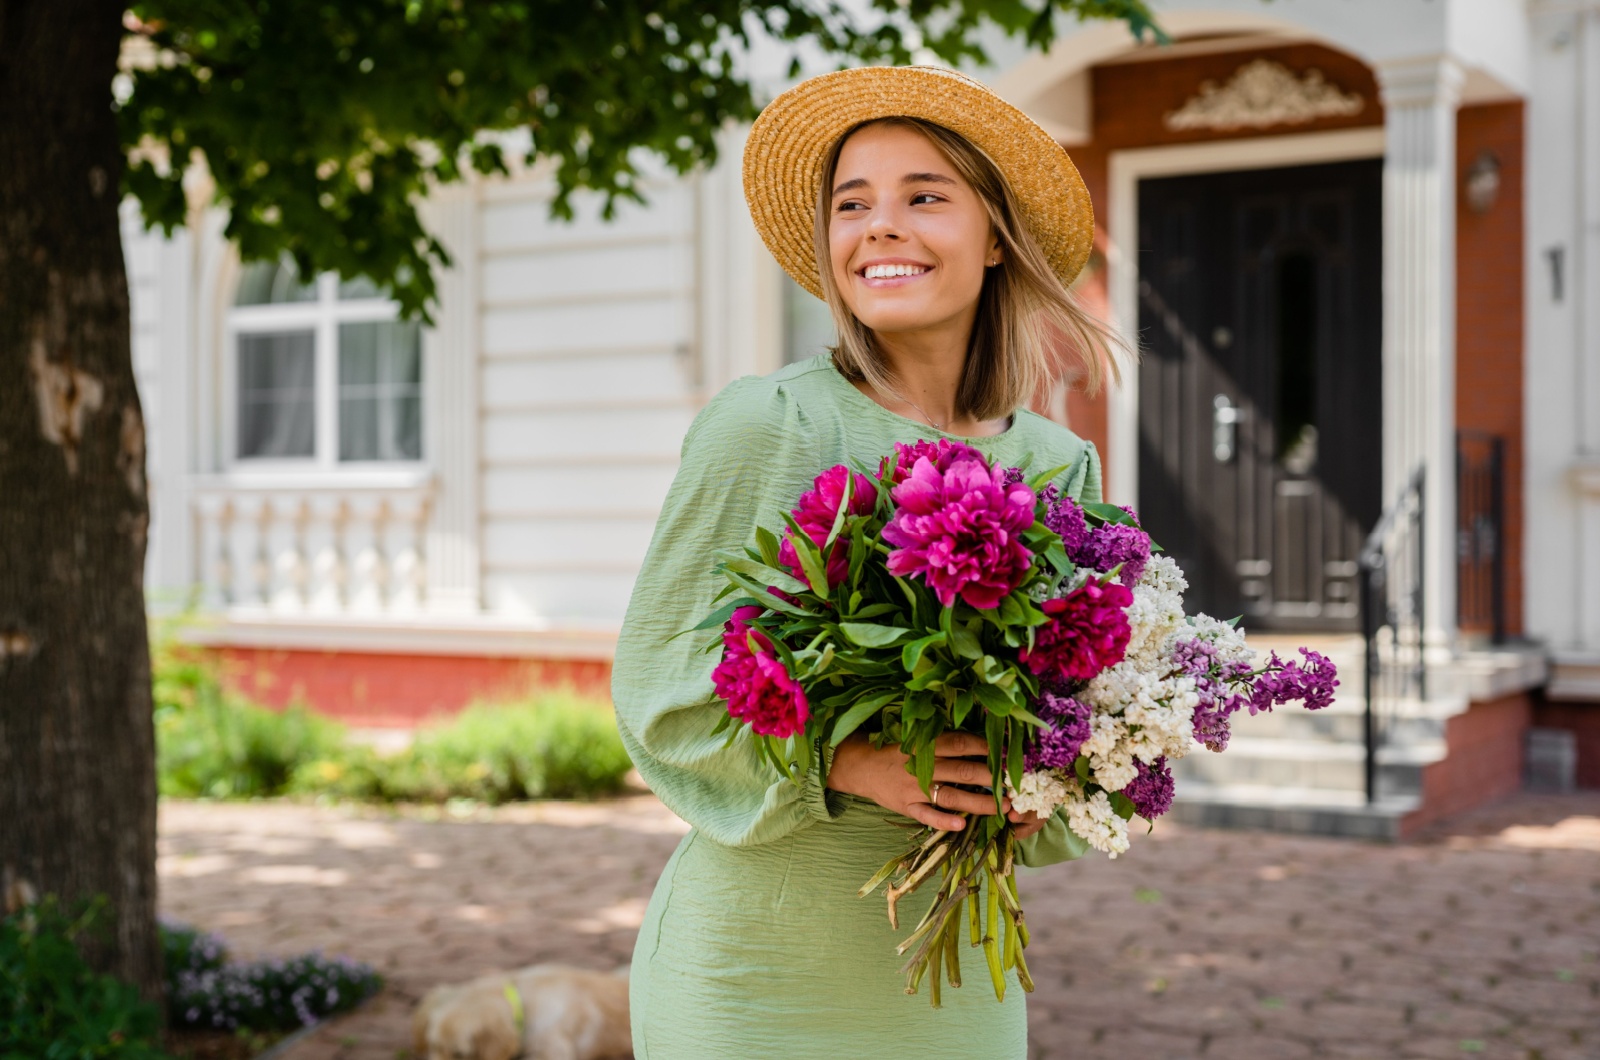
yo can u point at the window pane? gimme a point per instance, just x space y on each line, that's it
269 282
807 323
380 391
277 395
360 287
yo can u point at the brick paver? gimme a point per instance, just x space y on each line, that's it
1481 940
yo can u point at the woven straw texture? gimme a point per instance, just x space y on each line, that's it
784 155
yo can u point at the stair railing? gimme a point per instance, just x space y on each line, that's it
1392 619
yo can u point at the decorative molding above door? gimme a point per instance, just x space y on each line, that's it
1262 93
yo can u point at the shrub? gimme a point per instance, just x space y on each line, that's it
53 1006
555 745
213 744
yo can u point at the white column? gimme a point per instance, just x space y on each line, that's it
450 406
1419 273
1585 469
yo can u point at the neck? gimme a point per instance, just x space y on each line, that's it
927 372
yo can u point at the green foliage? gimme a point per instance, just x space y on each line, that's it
552 746
321 124
211 743
53 1006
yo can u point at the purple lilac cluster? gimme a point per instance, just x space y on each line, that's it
1102 548
1312 681
1151 791
1057 747
1218 701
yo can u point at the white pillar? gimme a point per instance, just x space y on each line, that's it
450 406
1419 274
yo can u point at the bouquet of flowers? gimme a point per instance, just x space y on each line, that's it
939 594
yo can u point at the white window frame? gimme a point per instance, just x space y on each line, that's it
322 317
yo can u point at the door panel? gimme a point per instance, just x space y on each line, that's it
1259 400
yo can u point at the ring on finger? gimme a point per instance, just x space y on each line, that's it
933 795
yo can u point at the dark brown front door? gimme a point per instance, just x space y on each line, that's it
1260 399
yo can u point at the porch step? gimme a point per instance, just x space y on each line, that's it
1311 765
1299 810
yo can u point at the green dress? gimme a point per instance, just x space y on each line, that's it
754 943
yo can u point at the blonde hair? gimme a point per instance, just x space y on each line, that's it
1025 312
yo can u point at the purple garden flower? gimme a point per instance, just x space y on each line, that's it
960 530
1103 547
1066 519
1151 790
1057 747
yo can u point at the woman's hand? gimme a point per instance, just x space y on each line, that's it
960 762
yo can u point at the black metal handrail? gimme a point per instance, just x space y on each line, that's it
1393 583
1480 533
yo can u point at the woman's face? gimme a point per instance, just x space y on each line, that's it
909 239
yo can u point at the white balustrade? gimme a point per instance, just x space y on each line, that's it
312 550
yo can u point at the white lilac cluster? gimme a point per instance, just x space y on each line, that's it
1042 791
1096 822
1227 639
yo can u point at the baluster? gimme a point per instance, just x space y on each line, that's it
364 549
245 542
324 519
403 530
286 553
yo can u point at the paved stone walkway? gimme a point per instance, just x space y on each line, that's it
1481 940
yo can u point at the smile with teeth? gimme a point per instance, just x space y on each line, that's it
884 272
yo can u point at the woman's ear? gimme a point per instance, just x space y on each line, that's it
996 252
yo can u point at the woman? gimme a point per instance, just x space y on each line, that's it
946 225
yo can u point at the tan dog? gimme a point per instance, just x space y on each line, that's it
542 1012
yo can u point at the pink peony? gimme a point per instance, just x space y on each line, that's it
815 513
961 531
1088 631
759 690
942 452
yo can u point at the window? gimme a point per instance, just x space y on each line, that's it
323 372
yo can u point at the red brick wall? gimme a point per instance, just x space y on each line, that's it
1483 763
1489 313
1130 103
383 690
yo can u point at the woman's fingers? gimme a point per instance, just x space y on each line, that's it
960 745
934 817
962 771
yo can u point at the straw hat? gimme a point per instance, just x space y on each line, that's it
784 155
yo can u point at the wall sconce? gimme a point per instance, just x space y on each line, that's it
1483 182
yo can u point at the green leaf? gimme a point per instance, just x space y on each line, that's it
964 640
1109 513
720 616
873 635
1122 805
768 575
775 603
911 654
961 707
839 516
923 762
810 558
1080 766
995 701
1014 759
1037 482
851 720
769 546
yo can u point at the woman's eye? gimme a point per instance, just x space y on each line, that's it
922 196
843 206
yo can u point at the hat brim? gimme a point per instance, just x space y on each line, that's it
784 155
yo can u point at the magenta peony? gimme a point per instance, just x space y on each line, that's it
760 691
1087 632
815 513
942 452
960 530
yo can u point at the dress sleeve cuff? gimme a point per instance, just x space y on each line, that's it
820 803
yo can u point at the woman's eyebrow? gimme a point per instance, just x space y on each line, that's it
909 178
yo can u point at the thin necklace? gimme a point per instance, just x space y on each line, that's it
930 419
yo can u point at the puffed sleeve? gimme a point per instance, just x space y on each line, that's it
1055 841
744 460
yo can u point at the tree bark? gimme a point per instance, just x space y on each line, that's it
77 745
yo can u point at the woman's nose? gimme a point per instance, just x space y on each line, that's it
884 225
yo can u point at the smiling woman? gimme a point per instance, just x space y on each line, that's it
941 227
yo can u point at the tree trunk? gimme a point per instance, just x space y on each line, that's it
77 745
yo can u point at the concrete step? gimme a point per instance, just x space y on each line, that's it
1300 810
1318 764
1344 721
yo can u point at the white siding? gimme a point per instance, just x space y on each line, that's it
588 382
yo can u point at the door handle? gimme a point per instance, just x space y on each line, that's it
1225 417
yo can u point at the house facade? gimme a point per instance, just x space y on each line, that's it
1359 244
